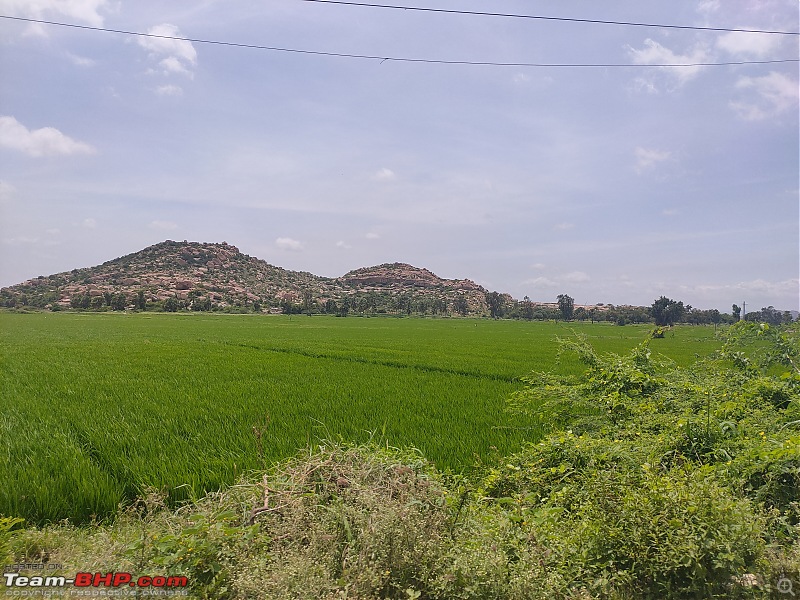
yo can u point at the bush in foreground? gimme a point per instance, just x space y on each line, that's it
356 522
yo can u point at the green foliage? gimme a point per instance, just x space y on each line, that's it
666 311
171 304
583 517
371 521
612 521
770 316
199 550
496 304
460 305
605 394
119 302
7 524
663 536
760 346
658 481
566 305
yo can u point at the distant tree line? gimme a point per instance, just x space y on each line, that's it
663 312
769 315
373 303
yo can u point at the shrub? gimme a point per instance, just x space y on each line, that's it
673 535
347 518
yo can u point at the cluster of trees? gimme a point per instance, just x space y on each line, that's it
196 301
118 301
663 312
666 312
378 303
503 306
9 300
769 315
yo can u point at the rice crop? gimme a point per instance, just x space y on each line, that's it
96 408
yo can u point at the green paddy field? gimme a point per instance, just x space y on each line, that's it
95 408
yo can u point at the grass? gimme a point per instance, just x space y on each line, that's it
96 408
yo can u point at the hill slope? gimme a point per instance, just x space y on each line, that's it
208 276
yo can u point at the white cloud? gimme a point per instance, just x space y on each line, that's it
575 277
46 141
538 266
173 55
643 84
85 11
21 239
646 158
343 244
755 286
384 175
708 6
89 223
372 236
172 64
35 30
540 282
558 280
169 90
163 225
775 93
81 61
564 226
742 44
654 53
7 192
286 243
669 212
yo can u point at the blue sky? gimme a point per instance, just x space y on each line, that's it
610 184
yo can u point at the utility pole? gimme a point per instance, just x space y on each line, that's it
744 309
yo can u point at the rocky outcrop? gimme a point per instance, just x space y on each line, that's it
403 275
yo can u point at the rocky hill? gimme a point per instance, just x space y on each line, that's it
400 275
204 276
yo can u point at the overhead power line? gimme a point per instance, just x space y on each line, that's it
383 58
543 18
